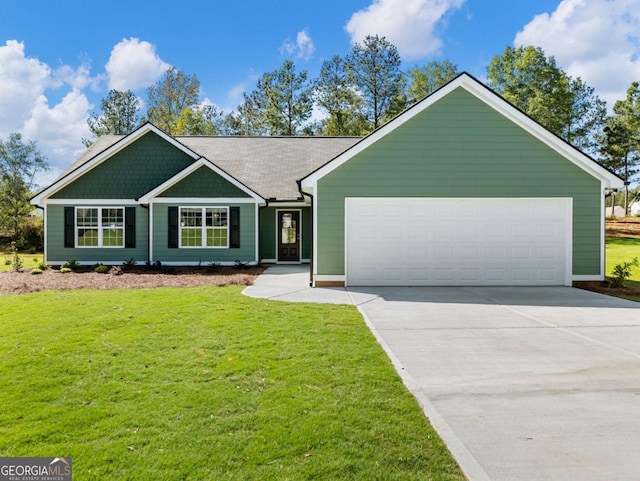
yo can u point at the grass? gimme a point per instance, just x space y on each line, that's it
622 249
205 383
29 260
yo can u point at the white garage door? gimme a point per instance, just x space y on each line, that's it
418 241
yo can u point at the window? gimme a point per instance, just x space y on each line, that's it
204 227
99 227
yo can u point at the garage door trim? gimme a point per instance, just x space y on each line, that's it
565 203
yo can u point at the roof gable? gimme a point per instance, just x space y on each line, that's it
126 168
491 99
171 187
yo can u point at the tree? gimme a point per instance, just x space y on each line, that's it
534 83
374 68
120 115
336 95
280 104
168 98
424 80
202 120
621 139
19 164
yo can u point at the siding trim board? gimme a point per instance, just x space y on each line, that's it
179 200
97 202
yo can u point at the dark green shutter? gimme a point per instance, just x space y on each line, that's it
234 227
130 227
173 228
69 227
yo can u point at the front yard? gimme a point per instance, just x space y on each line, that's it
205 383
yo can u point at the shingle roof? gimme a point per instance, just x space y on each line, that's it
268 165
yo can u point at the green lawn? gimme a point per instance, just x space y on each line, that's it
205 383
623 249
28 260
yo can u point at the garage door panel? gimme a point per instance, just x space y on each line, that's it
458 241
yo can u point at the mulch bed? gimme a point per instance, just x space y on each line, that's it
24 282
623 227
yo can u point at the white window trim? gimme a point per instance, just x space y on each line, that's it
100 227
203 227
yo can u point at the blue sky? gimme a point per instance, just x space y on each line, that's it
58 59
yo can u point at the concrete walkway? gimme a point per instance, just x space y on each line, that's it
291 283
521 383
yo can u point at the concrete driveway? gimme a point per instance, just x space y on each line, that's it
521 383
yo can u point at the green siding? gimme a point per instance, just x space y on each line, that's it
268 231
57 253
246 252
204 182
459 147
130 173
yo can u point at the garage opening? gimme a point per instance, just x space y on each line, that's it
458 241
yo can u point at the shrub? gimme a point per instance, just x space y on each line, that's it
101 269
16 260
35 271
32 234
621 272
71 264
64 270
42 265
129 264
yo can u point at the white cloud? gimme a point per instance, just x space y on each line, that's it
134 64
303 48
597 40
58 130
24 105
22 81
411 25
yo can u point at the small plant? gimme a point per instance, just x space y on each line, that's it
42 265
7 261
64 270
101 269
129 264
213 266
35 271
621 272
241 265
16 260
71 264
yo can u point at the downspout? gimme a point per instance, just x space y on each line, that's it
311 259
259 239
149 236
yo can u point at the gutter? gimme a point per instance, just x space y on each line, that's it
259 239
311 259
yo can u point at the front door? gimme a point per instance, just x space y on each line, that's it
288 236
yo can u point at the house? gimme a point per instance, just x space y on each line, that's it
616 211
460 189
